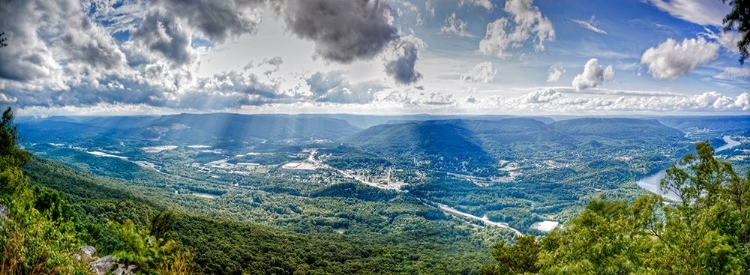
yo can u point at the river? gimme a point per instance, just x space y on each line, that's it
652 182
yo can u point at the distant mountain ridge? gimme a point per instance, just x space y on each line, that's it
191 128
454 145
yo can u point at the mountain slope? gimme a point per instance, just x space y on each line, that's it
445 144
221 246
476 146
617 128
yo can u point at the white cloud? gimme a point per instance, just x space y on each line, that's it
481 73
734 73
701 12
430 7
542 96
528 24
593 75
589 25
670 60
455 26
728 40
554 101
486 4
416 98
554 73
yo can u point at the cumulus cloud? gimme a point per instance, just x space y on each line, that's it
554 72
593 75
670 60
589 25
343 30
526 23
143 52
701 12
403 58
454 26
45 33
417 98
542 96
481 73
486 4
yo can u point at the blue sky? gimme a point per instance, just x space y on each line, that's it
376 57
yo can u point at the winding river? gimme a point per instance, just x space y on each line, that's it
652 182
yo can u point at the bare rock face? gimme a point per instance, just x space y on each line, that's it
122 270
88 252
4 213
109 265
102 265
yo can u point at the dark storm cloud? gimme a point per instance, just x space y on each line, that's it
402 68
216 20
48 37
160 32
343 30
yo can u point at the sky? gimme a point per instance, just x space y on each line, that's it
518 57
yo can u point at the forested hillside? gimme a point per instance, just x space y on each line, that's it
112 217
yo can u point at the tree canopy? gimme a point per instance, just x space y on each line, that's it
739 19
705 232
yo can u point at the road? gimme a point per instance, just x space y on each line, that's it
484 219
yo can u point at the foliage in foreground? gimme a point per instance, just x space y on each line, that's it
40 232
706 232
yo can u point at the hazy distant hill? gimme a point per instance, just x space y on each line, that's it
189 128
366 121
723 125
448 143
477 145
618 128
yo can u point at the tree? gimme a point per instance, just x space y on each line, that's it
519 258
31 241
10 154
2 40
739 19
705 232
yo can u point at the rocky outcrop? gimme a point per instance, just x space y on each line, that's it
104 265
4 212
